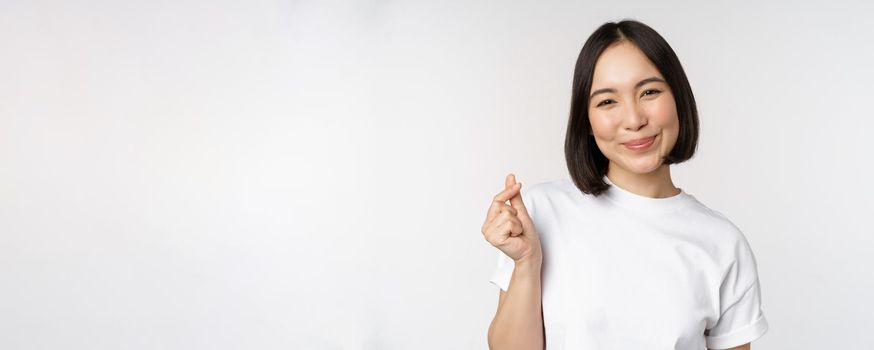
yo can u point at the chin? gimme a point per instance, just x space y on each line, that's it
644 166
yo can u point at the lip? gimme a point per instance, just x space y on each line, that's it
640 144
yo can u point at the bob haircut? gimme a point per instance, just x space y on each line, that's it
586 163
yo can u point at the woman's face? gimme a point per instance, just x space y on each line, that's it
630 100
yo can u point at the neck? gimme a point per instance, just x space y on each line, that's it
655 184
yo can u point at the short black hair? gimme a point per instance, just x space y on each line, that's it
586 163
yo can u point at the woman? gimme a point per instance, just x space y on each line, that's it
617 257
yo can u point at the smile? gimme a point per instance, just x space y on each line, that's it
640 145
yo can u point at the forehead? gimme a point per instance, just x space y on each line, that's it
622 65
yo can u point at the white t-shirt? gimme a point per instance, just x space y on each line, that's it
625 271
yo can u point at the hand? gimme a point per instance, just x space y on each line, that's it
508 226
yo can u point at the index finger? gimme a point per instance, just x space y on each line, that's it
517 203
501 199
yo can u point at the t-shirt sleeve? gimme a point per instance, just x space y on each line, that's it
741 317
503 271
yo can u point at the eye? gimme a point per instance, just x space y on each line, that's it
604 103
650 92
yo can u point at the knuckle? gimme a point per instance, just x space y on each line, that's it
509 224
497 197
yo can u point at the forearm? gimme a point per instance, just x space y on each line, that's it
518 323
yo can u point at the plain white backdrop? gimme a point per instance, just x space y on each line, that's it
313 174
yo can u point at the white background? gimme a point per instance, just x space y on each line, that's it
313 175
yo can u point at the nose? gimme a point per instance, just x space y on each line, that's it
635 118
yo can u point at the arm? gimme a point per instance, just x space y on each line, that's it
518 323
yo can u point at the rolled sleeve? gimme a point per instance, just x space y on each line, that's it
741 319
503 272
740 323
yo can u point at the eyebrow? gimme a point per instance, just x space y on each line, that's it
639 84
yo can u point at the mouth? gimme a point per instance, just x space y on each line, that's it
640 144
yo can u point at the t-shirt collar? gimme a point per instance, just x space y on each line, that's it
630 200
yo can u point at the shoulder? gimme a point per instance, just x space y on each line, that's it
547 191
551 189
539 194
718 222
726 237
540 189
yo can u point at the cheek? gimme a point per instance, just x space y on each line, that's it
663 112
602 125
